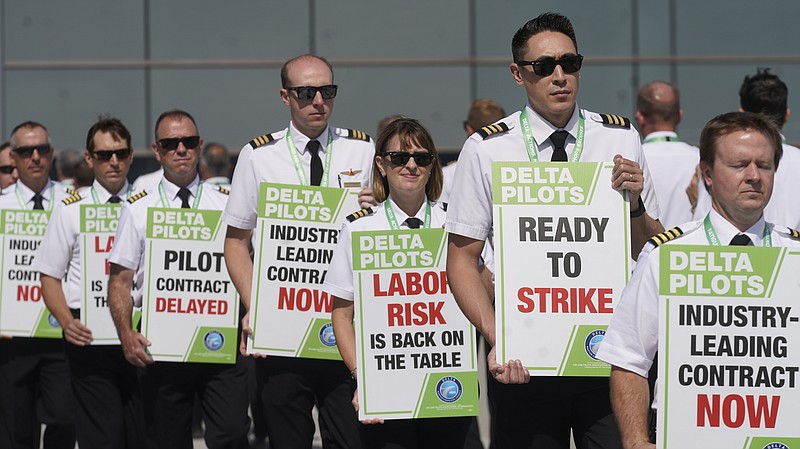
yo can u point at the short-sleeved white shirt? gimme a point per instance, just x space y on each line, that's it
470 203
129 241
631 340
148 181
672 165
351 166
339 279
60 251
11 200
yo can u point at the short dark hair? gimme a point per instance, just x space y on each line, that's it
549 21
484 112
654 109
765 93
731 122
174 114
285 68
216 163
27 124
110 125
411 133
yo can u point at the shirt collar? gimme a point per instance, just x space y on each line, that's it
27 193
656 134
301 140
103 195
401 216
726 231
172 190
542 129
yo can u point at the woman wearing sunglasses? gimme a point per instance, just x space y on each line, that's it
406 182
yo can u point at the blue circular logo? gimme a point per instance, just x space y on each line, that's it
449 389
776 446
214 340
326 335
52 321
593 341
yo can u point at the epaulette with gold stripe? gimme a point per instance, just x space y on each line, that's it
794 234
223 190
72 191
138 196
260 141
495 128
358 135
616 120
362 213
71 199
666 236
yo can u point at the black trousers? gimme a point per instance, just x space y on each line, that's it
289 390
168 391
108 406
42 394
6 395
430 433
541 414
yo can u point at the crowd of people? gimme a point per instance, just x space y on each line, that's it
117 396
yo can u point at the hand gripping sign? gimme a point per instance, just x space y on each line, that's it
729 347
563 252
190 307
22 309
415 349
296 234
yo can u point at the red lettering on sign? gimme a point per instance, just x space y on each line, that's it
417 314
732 410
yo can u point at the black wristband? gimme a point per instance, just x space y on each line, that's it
639 211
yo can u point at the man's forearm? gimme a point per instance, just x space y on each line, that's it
237 259
120 304
642 229
630 399
465 282
54 299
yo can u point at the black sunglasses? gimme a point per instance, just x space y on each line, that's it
106 155
307 93
43 149
7 169
171 143
402 157
547 65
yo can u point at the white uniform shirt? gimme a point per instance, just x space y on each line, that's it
339 279
60 251
631 340
672 165
448 175
10 199
129 241
782 207
470 203
148 181
351 165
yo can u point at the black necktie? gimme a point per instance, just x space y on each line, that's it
38 202
184 194
740 240
114 199
316 162
413 222
559 153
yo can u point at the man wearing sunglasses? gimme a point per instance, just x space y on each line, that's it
295 155
550 127
169 388
39 371
8 171
104 384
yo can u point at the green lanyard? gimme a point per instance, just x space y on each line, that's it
96 198
393 220
23 203
662 139
298 166
713 240
530 143
165 201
